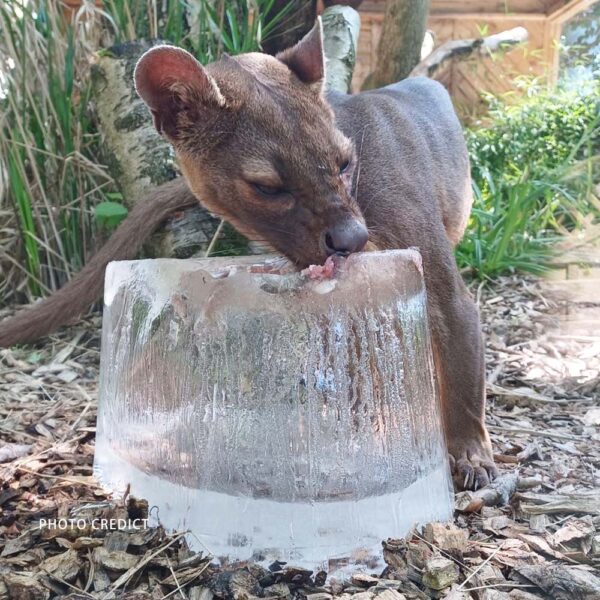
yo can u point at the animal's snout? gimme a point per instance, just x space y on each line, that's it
345 237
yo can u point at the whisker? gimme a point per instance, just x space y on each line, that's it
359 157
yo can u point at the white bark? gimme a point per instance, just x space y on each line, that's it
341 25
139 158
461 49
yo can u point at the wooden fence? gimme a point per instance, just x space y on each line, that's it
451 20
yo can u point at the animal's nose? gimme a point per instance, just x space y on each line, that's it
345 237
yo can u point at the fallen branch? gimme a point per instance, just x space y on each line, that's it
498 493
581 503
462 49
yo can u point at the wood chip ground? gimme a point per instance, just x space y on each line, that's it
535 534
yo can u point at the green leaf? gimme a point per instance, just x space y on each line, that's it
34 358
109 214
114 196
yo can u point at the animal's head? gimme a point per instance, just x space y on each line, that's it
258 145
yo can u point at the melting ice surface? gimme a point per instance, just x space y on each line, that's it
275 416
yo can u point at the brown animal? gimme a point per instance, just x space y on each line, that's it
260 144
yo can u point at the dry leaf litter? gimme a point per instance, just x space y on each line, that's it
535 533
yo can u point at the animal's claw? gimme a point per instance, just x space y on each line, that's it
472 468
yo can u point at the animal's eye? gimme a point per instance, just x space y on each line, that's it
344 167
267 190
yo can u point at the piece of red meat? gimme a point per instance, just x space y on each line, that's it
319 272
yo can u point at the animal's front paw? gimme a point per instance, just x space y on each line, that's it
472 464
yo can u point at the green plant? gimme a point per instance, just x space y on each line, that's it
51 177
509 230
110 213
241 26
206 28
534 166
540 131
47 144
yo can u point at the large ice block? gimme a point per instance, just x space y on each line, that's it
274 415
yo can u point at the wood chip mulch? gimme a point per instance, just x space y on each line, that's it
534 534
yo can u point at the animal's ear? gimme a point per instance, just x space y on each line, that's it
306 59
170 80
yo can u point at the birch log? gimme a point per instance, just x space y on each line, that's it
138 157
341 25
462 49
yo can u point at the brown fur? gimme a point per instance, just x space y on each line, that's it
256 119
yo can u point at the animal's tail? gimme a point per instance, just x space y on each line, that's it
74 299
